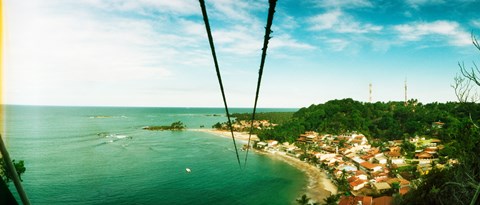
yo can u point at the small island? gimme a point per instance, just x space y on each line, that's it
174 126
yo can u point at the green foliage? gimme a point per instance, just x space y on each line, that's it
174 126
217 126
177 126
408 149
331 200
6 175
447 186
395 120
273 117
304 200
287 132
387 121
384 121
342 183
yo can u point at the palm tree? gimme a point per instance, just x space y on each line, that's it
331 200
303 200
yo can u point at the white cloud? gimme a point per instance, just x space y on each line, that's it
326 21
286 22
344 4
448 31
182 7
475 23
236 10
340 22
60 56
285 41
338 44
97 52
416 4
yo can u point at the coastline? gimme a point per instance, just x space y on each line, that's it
226 134
319 186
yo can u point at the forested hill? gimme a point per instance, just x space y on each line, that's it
388 121
456 124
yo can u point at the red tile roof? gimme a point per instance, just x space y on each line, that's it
356 183
368 165
404 190
383 200
351 200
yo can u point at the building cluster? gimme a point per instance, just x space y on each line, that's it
369 171
244 125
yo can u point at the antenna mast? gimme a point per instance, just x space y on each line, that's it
370 92
406 102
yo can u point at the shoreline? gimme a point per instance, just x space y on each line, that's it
226 134
318 187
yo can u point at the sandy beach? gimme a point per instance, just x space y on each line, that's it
226 134
319 186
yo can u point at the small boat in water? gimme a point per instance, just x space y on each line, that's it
188 170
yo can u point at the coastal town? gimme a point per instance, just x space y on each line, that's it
367 172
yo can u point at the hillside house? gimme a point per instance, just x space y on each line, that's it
356 200
369 167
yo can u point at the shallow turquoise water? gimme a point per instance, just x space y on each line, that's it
73 157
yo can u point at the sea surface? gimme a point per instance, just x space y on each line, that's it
101 155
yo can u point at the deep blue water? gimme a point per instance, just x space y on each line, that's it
100 155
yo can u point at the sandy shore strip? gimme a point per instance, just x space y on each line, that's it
319 186
226 134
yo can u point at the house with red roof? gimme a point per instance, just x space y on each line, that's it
383 200
355 200
369 167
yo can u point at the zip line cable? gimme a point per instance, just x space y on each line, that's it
268 31
11 168
212 47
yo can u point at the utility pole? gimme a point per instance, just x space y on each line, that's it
406 98
370 93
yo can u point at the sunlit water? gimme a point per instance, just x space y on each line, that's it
89 155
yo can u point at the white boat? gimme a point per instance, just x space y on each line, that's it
188 170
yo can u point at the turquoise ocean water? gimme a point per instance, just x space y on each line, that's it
100 155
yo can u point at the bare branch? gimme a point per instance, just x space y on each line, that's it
463 89
473 73
475 42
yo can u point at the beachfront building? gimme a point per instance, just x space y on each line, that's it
261 145
366 168
356 200
272 143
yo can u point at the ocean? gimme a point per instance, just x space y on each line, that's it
101 155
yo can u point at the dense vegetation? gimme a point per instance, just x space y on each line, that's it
6 175
456 124
174 126
273 117
6 196
386 121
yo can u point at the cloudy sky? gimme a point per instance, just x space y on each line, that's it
155 52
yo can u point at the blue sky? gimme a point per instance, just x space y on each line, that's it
155 53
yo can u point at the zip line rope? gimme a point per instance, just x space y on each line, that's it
268 31
212 47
